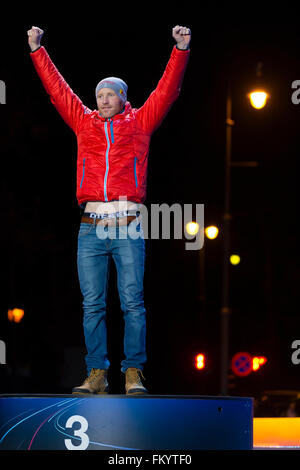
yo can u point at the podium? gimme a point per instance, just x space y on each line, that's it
125 423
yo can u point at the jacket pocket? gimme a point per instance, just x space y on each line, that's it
83 170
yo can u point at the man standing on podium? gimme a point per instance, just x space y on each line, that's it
113 145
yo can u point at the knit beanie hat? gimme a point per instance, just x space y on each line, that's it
116 84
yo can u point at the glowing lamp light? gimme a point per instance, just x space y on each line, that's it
258 99
257 362
235 259
192 228
211 232
200 361
15 315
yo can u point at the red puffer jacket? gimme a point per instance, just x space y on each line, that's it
112 153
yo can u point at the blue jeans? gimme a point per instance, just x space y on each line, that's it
97 244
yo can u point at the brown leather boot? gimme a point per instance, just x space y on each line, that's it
95 383
133 382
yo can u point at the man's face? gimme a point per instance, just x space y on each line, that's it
109 103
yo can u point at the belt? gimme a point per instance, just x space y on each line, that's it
115 218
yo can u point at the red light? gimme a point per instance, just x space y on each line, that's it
257 362
200 361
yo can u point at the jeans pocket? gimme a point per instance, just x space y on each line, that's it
84 229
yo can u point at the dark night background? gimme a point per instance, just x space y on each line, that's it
40 215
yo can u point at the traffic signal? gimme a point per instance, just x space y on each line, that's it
243 363
257 362
200 361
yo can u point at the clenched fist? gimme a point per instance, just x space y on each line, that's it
182 36
34 37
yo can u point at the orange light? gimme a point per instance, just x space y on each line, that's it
15 315
258 98
200 361
276 433
257 362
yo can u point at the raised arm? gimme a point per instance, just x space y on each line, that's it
152 113
62 96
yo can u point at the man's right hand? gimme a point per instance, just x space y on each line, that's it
34 37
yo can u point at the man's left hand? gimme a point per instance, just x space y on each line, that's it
182 36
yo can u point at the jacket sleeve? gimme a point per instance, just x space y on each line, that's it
152 113
61 95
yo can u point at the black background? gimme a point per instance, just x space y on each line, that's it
40 216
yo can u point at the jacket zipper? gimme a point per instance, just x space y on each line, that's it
112 131
107 153
135 174
82 172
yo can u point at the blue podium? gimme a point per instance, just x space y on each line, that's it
123 423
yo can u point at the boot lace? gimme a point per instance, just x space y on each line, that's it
94 375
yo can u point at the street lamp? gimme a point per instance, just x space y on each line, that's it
258 99
258 96
192 228
211 232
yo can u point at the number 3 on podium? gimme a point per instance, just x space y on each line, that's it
80 433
